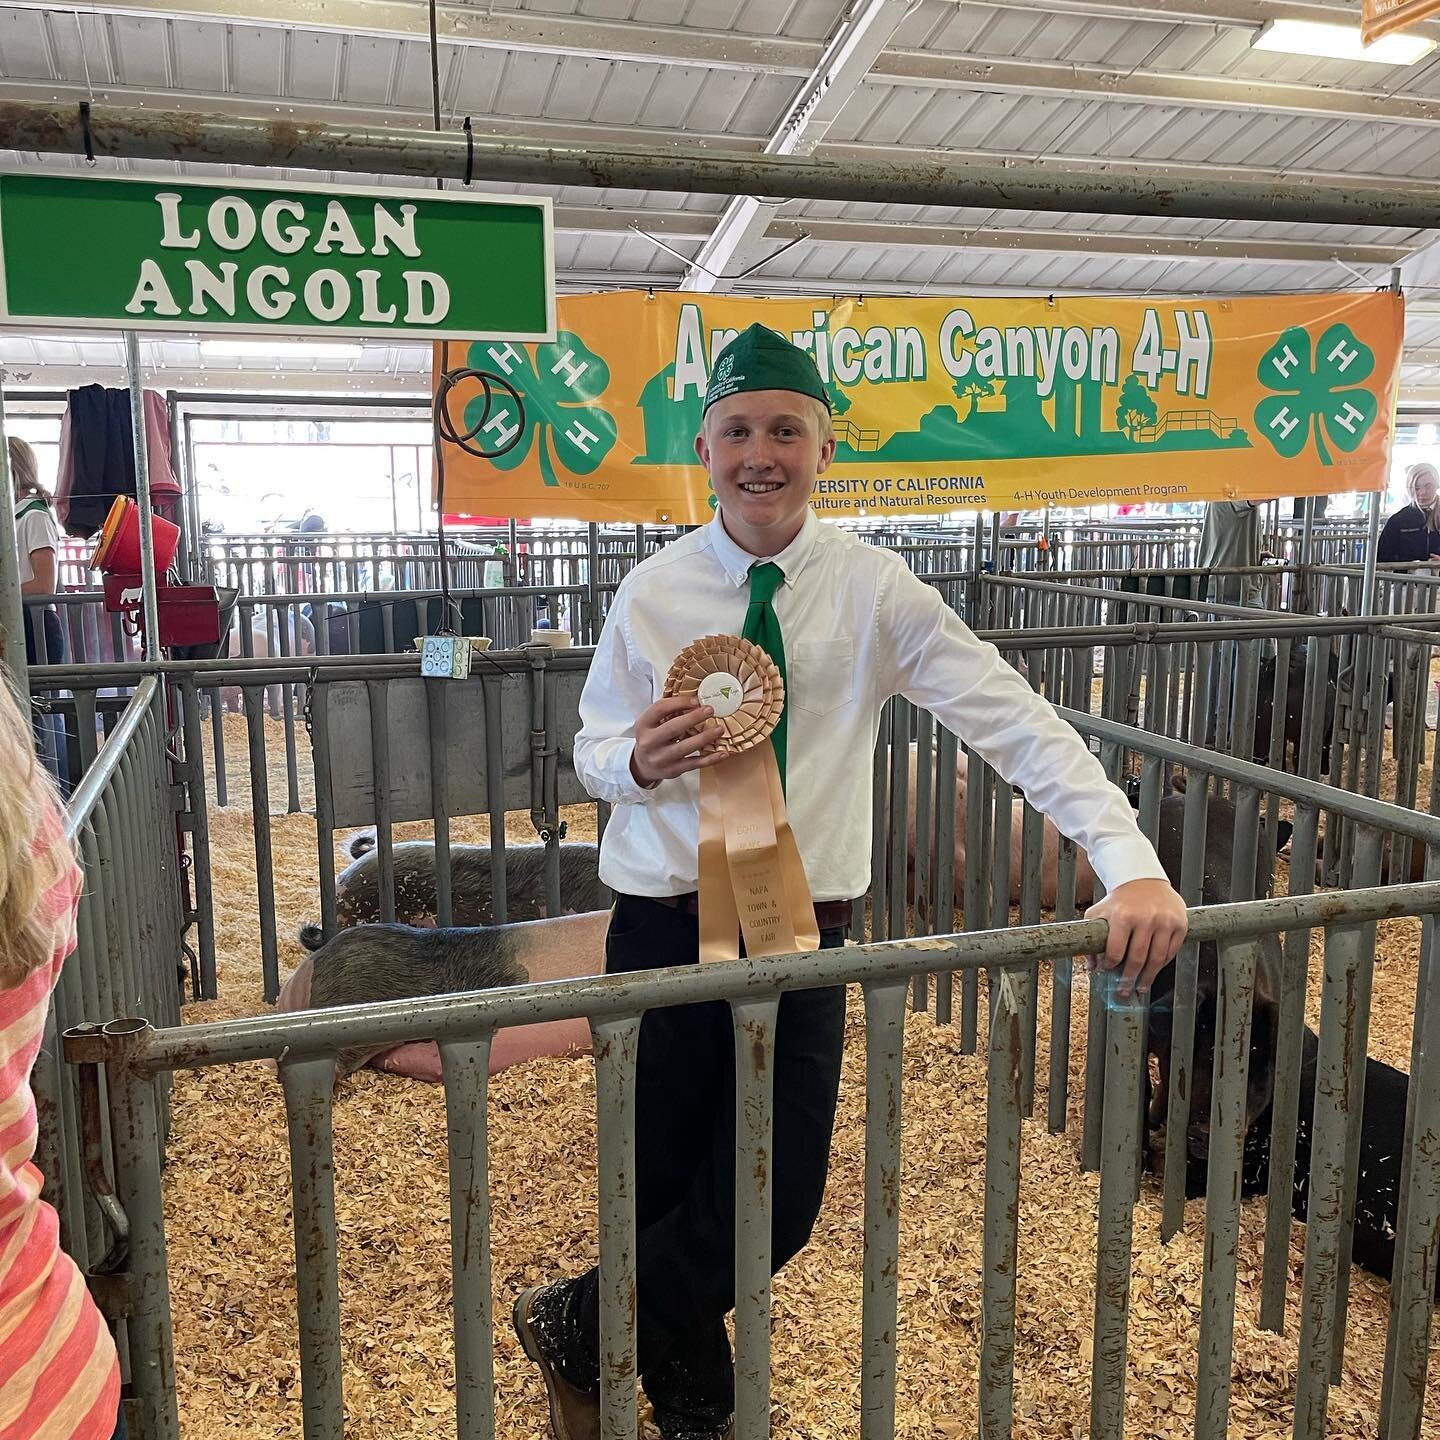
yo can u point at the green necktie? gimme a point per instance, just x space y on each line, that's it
762 626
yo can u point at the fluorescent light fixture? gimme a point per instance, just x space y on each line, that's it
1340 42
280 350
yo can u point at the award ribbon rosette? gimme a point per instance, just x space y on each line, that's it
752 881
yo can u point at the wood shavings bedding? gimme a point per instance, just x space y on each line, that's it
231 1243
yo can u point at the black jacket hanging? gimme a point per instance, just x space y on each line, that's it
102 452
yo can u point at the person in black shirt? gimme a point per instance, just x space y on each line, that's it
1414 532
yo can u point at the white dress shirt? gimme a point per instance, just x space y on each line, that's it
858 629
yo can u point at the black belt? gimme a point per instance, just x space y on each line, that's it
829 914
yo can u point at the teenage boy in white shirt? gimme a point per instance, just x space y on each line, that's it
855 627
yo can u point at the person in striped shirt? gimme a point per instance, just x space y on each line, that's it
59 1373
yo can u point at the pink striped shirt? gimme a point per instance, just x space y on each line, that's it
59 1375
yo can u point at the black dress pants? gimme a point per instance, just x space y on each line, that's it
685 1163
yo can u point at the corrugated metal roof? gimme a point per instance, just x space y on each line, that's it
682 81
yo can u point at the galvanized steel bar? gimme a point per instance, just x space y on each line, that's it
264 854
1417 1238
880 828
549 756
1375 714
119 938
1003 818
901 712
1246 692
1276 757
1368 850
1096 1042
1245 846
217 741
324 805
1004 1098
135 1133
946 782
396 1022
921 857
308 1085
979 799
1285 1104
378 696
440 798
150 605
1361 808
283 617
616 1044
199 823
1032 849
884 1053
58 1134
1183 1003
1325 1258
753 1021
1372 550
1062 982
1119 1164
466 1067
495 792
1222 1193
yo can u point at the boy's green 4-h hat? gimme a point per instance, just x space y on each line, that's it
759 359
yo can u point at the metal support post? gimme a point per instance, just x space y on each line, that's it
12 608
142 498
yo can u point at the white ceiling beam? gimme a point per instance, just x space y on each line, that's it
859 39
1063 80
708 49
1227 14
900 235
587 36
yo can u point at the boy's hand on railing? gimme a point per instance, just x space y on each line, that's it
1147 927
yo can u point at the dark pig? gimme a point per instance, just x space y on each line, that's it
367 964
357 889
1294 709
1382 1135
1265 1013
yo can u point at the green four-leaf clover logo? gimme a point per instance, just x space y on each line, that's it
1318 393
560 420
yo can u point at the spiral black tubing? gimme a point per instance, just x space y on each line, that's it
448 433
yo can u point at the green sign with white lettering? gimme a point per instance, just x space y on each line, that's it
237 258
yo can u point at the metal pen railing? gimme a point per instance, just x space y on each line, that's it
128 960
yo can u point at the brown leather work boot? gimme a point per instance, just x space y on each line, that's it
574 1413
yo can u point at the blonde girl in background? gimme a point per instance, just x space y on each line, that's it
59 1374
37 539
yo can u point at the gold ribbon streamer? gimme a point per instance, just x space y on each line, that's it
752 881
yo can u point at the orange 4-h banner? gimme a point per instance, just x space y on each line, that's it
941 404
1380 17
